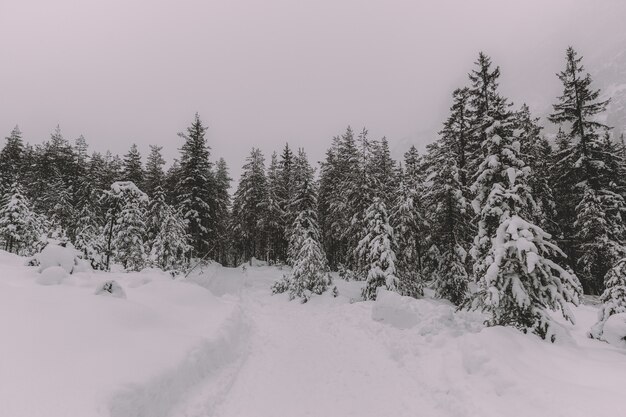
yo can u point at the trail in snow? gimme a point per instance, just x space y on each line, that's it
172 349
403 357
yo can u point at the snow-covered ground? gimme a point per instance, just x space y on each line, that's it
219 344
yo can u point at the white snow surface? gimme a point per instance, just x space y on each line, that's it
219 344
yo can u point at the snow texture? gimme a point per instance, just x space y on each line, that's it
219 344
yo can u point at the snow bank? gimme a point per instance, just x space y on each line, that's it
66 352
615 330
52 275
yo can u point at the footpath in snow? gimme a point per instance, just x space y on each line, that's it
219 344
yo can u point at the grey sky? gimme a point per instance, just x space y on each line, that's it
264 72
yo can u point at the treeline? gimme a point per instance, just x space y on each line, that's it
493 201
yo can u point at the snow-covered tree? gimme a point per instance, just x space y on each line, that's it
376 252
195 187
338 181
21 229
125 229
222 212
168 238
589 177
272 223
613 298
154 176
11 160
599 235
310 273
133 169
86 232
248 207
450 225
407 224
515 266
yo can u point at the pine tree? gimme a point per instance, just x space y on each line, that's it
483 98
376 248
86 232
196 187
11 159
21 229
449 220
537 151
448 193
514 260
309 274
81 152
407 224
222 212
272 223
361 192
339 181
126 225
599 238
248 207
587 176
613 298
168 239
133 169
154 176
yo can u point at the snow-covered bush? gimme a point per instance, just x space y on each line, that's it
64 256
111 288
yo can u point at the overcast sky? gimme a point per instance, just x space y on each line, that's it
262 72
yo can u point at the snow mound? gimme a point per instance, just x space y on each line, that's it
52 275
429 317
111 288
615 330
66 257
395 310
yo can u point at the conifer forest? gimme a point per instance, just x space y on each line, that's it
480 274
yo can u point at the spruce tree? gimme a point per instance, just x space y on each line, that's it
133 169
339 181
21 229
272 223
450 222
195 188
248 208
222 212
309 274
126 227
168 240
536 149
376 250
407 223
11 160
154 176
587 177
515 266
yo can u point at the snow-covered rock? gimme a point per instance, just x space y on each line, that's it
53 275
111 288
615 330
